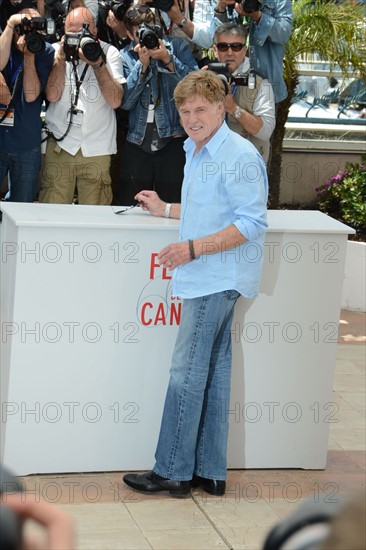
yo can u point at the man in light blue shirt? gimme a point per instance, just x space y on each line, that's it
218 258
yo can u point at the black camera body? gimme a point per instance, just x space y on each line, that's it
149 35
32 28
88 43
240 79
221 69
163 5
250 6
117 7
11 525
58 14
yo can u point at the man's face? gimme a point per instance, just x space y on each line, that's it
201 119
233 58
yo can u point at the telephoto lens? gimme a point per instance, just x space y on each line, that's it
35 42
91 48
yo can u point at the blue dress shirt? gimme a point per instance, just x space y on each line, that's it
225 183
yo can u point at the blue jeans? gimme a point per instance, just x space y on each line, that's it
22 170
194 428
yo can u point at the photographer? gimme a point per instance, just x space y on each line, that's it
269 30
26 63
84 88
111 27
153 156
249 101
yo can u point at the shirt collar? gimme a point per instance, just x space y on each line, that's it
243 68
213 145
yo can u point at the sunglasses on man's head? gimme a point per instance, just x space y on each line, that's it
134 13
235 46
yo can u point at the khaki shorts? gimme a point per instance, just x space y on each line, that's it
64 175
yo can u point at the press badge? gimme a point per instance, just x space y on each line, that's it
251 81
9 119
150 114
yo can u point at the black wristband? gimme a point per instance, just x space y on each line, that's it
191 250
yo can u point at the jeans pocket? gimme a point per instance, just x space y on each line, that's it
231 294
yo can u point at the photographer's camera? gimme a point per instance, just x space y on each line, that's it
240 79
149 35
32 29
117 7
250 6
86 41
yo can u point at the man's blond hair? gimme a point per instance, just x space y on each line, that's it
202 83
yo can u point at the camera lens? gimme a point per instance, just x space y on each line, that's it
91 48
149 40
35 42
119 9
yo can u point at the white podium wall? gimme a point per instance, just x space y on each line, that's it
89 324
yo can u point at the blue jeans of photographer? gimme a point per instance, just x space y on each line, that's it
194 429
22 170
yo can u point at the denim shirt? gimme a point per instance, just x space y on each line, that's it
159 81
267 42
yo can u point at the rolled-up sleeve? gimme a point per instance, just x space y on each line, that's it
248 197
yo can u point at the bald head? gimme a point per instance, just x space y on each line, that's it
76 18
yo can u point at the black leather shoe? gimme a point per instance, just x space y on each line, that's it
214 487
150 482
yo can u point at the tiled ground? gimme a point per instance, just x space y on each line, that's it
110 516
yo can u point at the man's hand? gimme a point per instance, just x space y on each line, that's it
22 47
229 104
174 13
116 25
221 5
255 15
59 526
161 53
174 255
15 19
150 201
144 55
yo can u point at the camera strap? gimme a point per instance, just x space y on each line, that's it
158 99
78 83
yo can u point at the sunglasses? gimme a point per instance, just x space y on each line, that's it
235 46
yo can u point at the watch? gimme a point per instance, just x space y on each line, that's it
183 23
238 112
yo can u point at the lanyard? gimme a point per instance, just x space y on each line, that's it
78 81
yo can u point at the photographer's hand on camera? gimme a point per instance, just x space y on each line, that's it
32 85
178 17
221 5
116 25
6 38
144 57
254 15
162 54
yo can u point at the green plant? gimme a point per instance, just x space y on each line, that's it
335 33
344 197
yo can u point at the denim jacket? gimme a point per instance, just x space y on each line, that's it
267 43
162 82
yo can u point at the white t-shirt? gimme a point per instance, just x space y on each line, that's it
93 127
